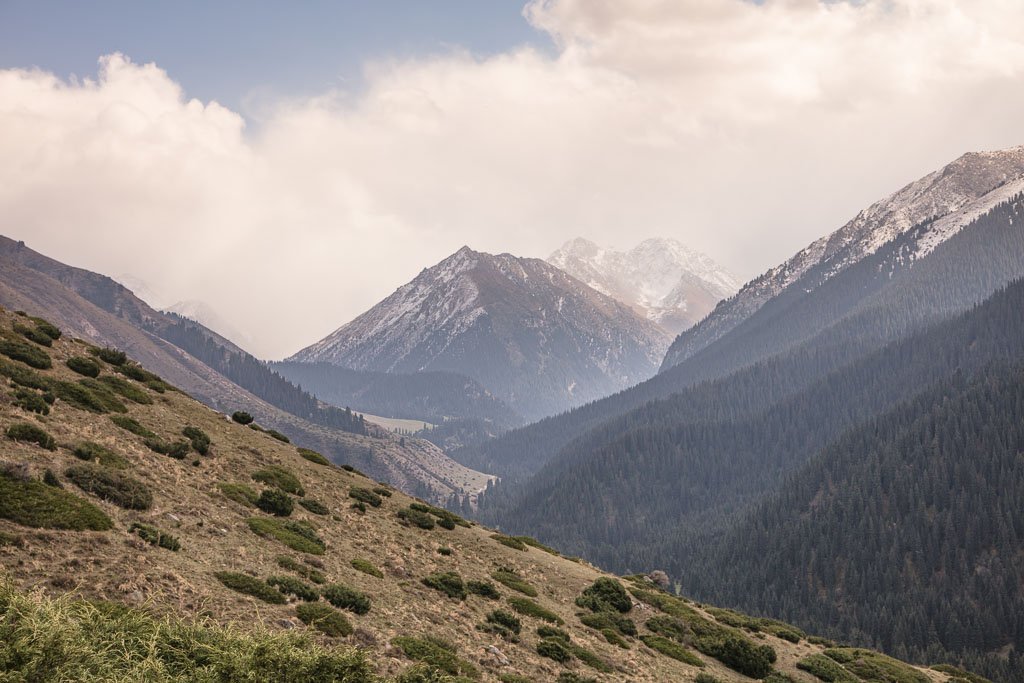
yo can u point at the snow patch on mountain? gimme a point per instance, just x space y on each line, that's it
661 279
948 199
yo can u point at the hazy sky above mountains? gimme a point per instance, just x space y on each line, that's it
292 167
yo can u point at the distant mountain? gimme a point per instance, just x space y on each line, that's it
204 314
216 372
661 279
539 339
927 211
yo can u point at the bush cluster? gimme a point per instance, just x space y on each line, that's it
325 619
672 649
25 353
289 585
111 485
30 433
435 652
242 417
84 366
198 438
250 585
125 389
506 621
23 376
33 401
131 425
345 597
34 504
532 609
449 583
605 595
273 433
279 477
314 457
33 334
153 536
611 620
240 493
314 506
302 570
510 541
275 502
110 355
295 534
484 589
511 579
364 495
367 567
417 518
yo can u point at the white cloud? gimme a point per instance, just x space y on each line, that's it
744 130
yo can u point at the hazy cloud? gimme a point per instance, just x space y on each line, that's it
744 130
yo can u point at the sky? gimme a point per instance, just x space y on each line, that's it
292 164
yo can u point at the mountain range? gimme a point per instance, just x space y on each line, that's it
143 536
661 279
215 371
881 323
536 337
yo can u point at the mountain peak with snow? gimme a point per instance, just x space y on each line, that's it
660 278
535 336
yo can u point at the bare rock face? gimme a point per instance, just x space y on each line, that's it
536 337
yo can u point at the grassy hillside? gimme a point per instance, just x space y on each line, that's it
144 536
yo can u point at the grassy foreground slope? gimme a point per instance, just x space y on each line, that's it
144 536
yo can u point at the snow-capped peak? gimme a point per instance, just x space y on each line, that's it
660 278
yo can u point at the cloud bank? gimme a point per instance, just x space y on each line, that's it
743 130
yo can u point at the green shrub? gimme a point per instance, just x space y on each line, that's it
514 678
273 433
605 594
382 491
111 485
435 652
444 550
240 493
367 567
613 637
10 540
314 457
843 656
366 496
302 570
534 543
672 649
345 597
874 666
199 439
739 654
129 424
279 477
102 394
243 583
31 401
417 518
511 579
22 376
571 677
610 620
777 677
359 506
589 658
84 366
956 672
325 619
509 541
33 334
295 534
50 479
449 583
79 396
532 609
292 586
153 536
552 632
484 589
825 669
46 327
506 620
30 433
704 677
242 417
314 506
73 640
25 353
34 504
670 627
554 649
140 374
174 449
275 502
111 356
